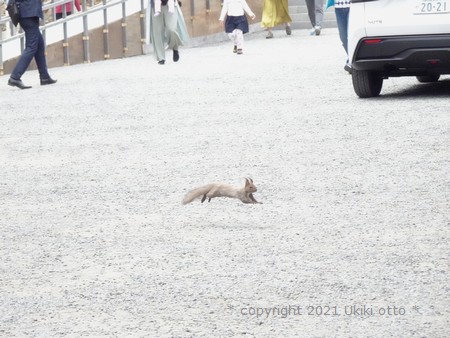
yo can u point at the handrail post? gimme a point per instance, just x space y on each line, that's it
44 36
22 41
192 10
124 28
53 11
1 59
142 21
87 58
65 37
106 54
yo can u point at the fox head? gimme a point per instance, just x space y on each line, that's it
249 186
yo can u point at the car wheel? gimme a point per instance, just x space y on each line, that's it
366 83
428 78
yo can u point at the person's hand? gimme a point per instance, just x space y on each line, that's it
253 17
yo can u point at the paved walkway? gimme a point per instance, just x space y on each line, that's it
94 241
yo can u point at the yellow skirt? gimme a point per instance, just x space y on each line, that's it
275 12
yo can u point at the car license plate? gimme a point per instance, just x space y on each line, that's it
432 7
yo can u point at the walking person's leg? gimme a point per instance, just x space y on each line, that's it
268 17
32 33
157 36
239 41
342 23
40 58
31 29
310 6
288 28
318 15
174 40
232 37
34 48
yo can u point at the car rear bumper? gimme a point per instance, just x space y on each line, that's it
404 55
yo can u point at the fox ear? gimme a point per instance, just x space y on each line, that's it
247 182
250 180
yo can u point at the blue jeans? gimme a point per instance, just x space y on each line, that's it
342 23
34 48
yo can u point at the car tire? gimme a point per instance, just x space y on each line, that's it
428 78
366 83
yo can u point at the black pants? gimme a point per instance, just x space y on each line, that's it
34 48
60 15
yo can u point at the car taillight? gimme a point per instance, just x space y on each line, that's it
434 61
372 41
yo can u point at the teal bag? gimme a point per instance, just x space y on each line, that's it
330 3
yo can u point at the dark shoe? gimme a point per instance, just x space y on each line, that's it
269 35
288 30
48 81
235 49
317 30
239 51
348 68
17 83
161 62
176 56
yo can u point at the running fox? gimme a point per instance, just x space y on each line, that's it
212 190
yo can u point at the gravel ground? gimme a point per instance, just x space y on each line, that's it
94 241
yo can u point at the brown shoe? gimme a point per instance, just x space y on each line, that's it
239 51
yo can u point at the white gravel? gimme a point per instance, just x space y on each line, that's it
94 241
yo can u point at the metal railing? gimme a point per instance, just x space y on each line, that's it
88 7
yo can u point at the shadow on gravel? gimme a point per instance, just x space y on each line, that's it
437 89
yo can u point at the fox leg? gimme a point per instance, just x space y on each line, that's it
204 198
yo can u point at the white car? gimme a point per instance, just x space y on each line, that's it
389 38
